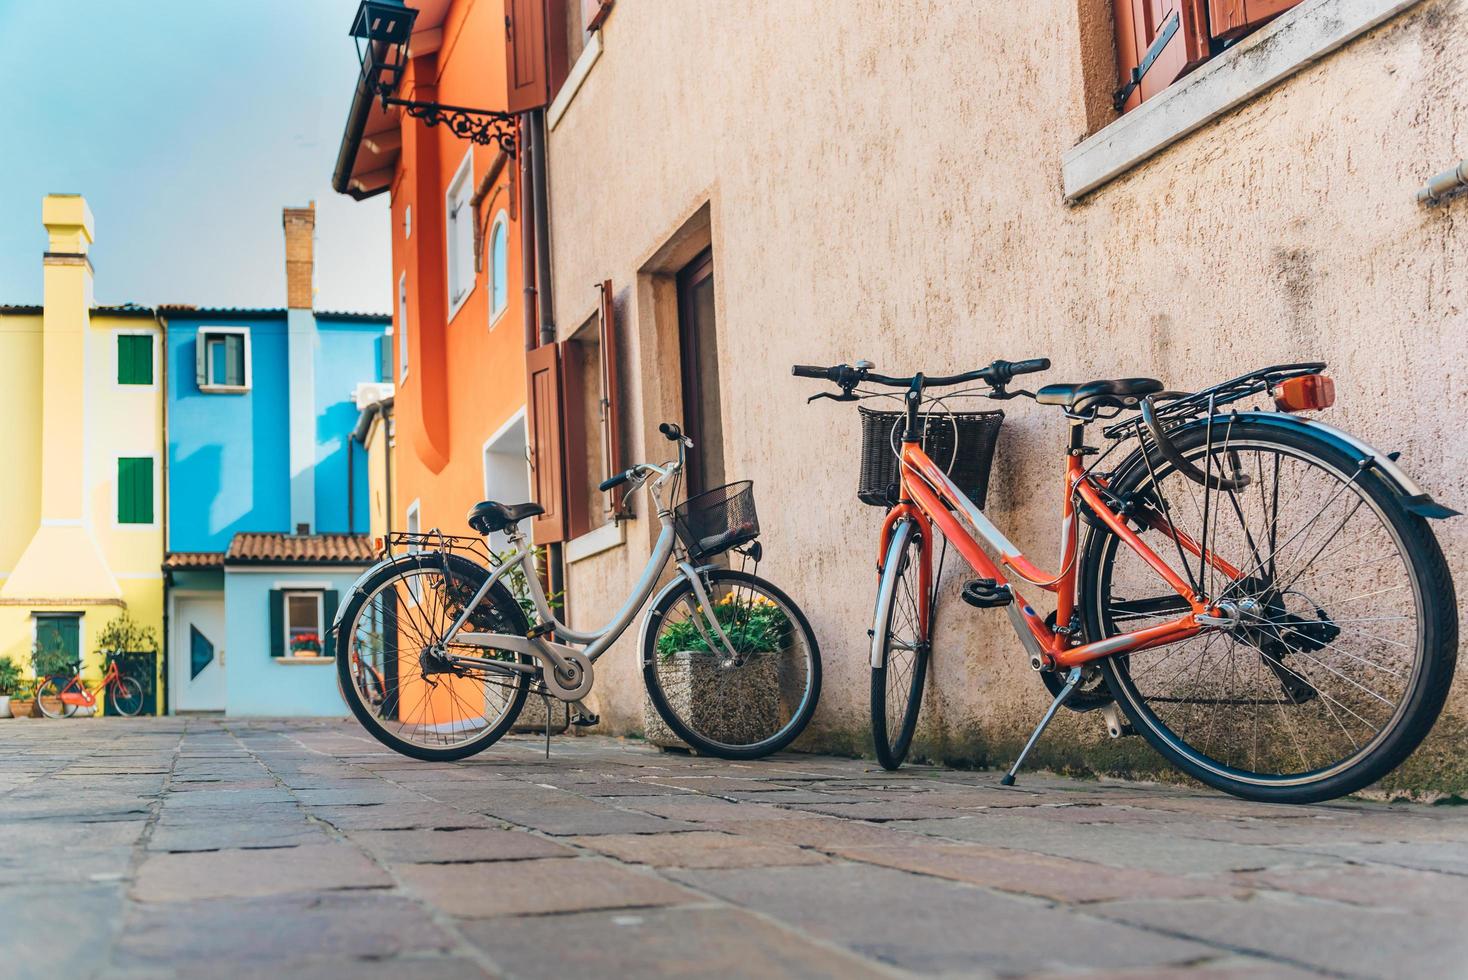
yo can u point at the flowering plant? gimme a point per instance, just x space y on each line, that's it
753 625
306 644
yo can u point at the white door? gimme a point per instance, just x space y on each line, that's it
197 675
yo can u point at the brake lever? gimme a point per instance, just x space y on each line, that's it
845 396
1000 393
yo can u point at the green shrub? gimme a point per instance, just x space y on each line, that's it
753 625
12 680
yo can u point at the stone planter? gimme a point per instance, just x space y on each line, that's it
532 717
4 706
734 705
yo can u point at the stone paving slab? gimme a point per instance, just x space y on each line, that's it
134 849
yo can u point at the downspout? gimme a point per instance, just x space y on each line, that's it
160 679
542 227
527 241
351 490
387 463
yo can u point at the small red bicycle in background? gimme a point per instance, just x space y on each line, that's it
62 700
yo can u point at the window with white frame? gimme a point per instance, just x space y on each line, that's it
413 526
459 227
402 326
222 359
499 266
303 619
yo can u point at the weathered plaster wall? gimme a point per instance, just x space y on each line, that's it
883 181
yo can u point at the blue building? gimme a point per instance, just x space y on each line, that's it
266 493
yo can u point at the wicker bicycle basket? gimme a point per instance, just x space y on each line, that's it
977 433
717 520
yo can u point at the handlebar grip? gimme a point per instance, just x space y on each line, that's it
670 431
810 371
1031 366
616 481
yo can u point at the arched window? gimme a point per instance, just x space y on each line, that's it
499 266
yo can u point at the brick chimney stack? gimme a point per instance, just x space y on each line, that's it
300 234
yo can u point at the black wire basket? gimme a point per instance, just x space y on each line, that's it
977 433
716 520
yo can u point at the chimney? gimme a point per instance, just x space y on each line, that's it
300 233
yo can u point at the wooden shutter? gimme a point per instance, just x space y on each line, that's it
528 84
573 438
134 359
330 600
593 12
1229 19
611 387
134 490
543 411
1140 23
201 358
277 623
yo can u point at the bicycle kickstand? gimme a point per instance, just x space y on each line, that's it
1072 681
546 700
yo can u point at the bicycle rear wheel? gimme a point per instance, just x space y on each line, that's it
1345 634
127 697
742 707
48 699
897 684
392 666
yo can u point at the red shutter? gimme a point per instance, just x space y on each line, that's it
543 410
1228 19
593 12
573 439
527 84
611 386
1140 23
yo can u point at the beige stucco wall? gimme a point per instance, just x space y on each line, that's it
883 181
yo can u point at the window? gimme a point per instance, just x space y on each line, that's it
499 266
413 525
590 411
298 621
402 326
222 359
1160 41
407 221
59 634
135 490
459 227
134 359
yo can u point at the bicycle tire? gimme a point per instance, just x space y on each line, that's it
906 545
54 686
690 733
1436 631
504 606
127 699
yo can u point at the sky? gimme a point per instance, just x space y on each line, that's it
187 125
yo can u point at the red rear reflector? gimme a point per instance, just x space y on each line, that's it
377 544
1308 393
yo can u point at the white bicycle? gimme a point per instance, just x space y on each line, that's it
436 654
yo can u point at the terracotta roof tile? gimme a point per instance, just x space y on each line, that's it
251 548
196 560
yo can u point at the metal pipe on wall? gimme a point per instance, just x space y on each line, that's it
542 226
527 241
1445 183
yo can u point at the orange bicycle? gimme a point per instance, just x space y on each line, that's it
61 697
1295 644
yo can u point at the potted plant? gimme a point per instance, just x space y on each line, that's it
125 635
305 645
732 703
11 681
23 701
53 662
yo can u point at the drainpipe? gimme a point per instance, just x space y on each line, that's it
527 241
351 492
542 227
1445 183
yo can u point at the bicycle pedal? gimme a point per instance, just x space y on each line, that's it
985 593
586 720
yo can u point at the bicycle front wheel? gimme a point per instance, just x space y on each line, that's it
395 668
741 706
127 697
901 630
1344 632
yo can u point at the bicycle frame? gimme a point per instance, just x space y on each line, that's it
597 641
929 498
77 693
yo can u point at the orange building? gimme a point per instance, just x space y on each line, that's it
459 328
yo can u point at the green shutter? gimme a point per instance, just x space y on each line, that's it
134 359
277 623
329 601
135 490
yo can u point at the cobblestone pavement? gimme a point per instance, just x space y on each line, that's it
186 847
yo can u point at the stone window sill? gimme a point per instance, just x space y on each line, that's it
574 78
304 660
604 538
1292 42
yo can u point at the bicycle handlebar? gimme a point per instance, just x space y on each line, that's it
997 374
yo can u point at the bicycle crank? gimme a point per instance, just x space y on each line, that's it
574 682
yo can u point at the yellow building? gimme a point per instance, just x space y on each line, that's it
81 499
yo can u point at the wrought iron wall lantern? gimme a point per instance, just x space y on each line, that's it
382 29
